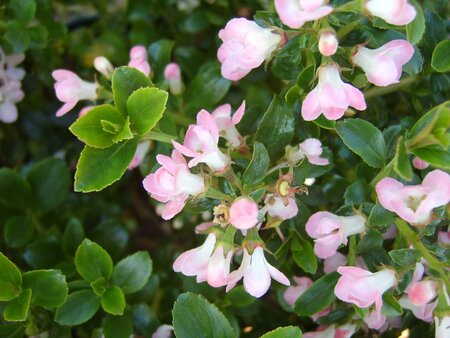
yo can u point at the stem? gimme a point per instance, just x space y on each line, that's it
341 33
380 91
351 251
159 136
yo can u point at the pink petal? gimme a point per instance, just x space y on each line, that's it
310 108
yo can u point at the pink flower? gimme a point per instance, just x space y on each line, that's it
311 148
172 74
328 43
395 12
163 331
276 207
419 164
257 273
331 263
245 46
332 96
423 312
70 89
195 261
243 213
173 183
415 203
292 293
141 151
383 66
138 59
343 331
218 268
374 321
227 123
104 66
294 13
444 238
201 143
364 288
10 94
423 292
330 231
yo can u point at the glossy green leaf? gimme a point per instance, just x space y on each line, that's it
195 317
118 327
79 307
49 287
440 60
15 192
159 56
258 166
301 172
303 254
99 168
17 309
18 231
113 300
416 28
91 130
125 81
380 217
402 165
391 307
318 296
357 193
284 332
146 107
371 241
364 139
404 257
132 272
73 236
10 279
93 262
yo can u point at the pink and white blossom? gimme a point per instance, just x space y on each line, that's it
328 43
332 96
311 148
423 312
395 12
246 45
141 150
243 213
419 164
172 74
227 123
293 292
173 183
330 231
201 143
70 89
364 288
257 274
332 263
294 13
383 66
280 208
415 203
138 59
422 292
218 268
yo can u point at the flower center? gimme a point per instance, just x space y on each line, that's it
413 202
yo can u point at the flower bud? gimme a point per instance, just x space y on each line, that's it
172 74
103 66
328 43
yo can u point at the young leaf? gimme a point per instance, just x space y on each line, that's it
93 262
364 139
440 60
194 316
90 128
17 309
404 257
146 107
15 192
113 301
284 332
79 307
257 168
99 168
124 133
402 165
10 279
159 56
49 287
132 272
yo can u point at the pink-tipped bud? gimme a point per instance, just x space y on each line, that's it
138 59
172 74
328 43
244 213
138 53
103 66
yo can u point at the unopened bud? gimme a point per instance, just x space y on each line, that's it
103 66
172 74
328 43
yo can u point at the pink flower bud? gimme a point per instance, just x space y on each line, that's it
328 43
245 46
103 66
294 13
419 164
423 292
444 238
244 213
415 203
332 96
395 12
138 59
383 66
172 74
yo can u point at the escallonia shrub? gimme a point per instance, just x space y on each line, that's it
241 169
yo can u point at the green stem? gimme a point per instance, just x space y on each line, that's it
341 33
351 251
380 91
159 136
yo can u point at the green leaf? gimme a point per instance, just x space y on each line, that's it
50 182
93 262
99 286
238 297
90 128
159 54
356 193
257 168
207 88
434 155
18 231
276 129
318 296
324 123
306 76
17 309
125 132
440 60
132 272
10 279
364 139
284 332
402 165
370 242
416 28
15 192
194 317
49 287
301 172
303 254
146 107
404 257
73 236
79 307
118 327
113 301
391 307
24 10
125 81
18 36
99 168
380 217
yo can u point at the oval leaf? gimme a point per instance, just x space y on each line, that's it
79 308
113 301
132 272
10 279
257 168
93 262
49 287
17 309
284 332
